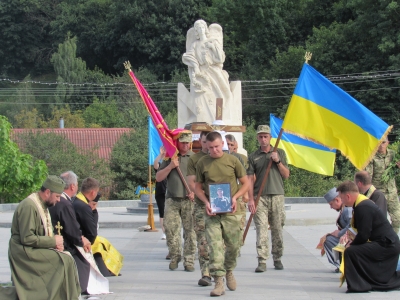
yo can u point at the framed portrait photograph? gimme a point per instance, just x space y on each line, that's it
220 197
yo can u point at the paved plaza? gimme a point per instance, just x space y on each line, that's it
145 274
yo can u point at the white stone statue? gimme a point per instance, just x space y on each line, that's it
205 57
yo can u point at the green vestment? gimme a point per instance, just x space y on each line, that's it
37 271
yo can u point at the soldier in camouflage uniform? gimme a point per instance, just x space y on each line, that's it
376 167
233 146
221 229
271 205
178 206
198 213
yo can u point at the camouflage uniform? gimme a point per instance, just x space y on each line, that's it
224 234
271 205
198 220
179 208
241 204
223 229
376 167
200 229
270 210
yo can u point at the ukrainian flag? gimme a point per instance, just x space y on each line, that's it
322 112
302 153
154 142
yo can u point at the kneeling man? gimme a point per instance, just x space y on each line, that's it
370 260
39 270
342 223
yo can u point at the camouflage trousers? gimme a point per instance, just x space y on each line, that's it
270 210
393 207
223 234
200 229
242 206
177 211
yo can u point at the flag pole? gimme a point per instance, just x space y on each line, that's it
264 181
150 210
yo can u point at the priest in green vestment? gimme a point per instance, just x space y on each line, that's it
39 268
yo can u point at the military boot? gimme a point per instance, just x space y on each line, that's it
262 267
230 281
173 265
219 287
278 265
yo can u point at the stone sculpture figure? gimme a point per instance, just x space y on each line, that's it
205 57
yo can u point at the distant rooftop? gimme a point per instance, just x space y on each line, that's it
103 139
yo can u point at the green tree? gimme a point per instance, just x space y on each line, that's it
103 114
129 162
61 155
70 70
29 119
20 174
148 33
26 42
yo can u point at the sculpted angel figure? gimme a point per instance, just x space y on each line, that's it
205 57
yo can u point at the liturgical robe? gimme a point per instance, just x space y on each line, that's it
371 260
64 213
37 270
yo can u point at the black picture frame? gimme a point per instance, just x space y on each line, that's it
220 191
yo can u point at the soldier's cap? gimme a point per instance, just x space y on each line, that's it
185 137
219 189
331 194
54 183
263 129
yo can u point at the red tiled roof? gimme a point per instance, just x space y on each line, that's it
86 138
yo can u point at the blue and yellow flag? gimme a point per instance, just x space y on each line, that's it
303 153
322 112
154 142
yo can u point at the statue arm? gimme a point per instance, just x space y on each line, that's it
217 51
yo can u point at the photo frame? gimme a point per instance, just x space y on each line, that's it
220 198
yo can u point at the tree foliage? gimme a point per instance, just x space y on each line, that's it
20 174
61 155
82 45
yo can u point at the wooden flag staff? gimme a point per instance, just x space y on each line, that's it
264 181
150 210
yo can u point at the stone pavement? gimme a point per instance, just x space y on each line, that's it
145 274
117 217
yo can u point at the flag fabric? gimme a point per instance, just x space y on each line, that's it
322 112
154 142
168 137
303 153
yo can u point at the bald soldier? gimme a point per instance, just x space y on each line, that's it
222 230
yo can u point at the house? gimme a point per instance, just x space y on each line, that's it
102 139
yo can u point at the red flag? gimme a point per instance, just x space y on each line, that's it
168 137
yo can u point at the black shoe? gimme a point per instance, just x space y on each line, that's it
337 270
204 281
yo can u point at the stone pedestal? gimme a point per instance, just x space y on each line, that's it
187 112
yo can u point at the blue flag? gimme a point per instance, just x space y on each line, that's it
303 153
322 112
154 142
